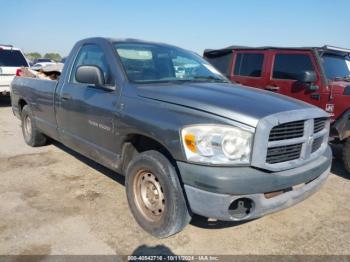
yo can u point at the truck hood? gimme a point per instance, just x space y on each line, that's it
239 103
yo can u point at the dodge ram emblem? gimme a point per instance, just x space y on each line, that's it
310 141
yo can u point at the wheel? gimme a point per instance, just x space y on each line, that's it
31 134
155 195
346 155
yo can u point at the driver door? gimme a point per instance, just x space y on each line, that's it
87 115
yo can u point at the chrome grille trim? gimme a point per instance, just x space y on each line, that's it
287 131
262 141
319 124
316 144
283 153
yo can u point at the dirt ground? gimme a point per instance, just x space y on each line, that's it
54 201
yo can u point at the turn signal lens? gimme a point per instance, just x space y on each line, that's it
190 142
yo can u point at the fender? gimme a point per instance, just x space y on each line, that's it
341 127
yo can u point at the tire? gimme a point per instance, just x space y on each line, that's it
32 136
155 195
346 155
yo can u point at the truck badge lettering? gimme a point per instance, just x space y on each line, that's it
99 125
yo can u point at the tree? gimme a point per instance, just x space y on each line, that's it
33 55
53 56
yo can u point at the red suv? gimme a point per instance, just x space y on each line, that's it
317 75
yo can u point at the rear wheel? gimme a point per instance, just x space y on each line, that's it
32 136
155 195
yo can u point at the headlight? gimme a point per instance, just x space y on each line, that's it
215 144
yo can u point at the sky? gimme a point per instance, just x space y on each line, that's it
55 25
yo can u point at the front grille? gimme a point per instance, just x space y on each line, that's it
283 153
317 144
281 145
287 131
319 124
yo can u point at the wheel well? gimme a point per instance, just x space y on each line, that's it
135 144
21 104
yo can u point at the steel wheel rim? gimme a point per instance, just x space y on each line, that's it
27 126
149 196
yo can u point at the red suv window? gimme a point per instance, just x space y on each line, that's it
286 66
249 64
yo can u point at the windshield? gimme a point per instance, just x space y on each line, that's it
12 58
151 63
336 66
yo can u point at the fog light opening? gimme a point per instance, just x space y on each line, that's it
241 208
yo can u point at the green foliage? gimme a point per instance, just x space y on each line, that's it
33 55
54 56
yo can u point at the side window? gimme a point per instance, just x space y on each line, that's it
91 54
248 64
286 66
221 63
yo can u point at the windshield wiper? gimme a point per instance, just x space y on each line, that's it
211 79
184 80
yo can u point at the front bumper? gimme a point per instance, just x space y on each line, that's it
212 191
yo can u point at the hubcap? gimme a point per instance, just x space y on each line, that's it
27 127
149 195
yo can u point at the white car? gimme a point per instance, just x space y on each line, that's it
11 59
41 65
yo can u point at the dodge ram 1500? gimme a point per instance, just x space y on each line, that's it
187 141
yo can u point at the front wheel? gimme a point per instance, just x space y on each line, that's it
155 195
346 155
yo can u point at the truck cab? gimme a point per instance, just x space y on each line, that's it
316 75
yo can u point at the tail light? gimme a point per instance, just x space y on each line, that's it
19 72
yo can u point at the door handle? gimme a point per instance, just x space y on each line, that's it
66 97
272 88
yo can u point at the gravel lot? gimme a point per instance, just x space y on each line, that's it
54 201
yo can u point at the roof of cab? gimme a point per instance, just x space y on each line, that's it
126 40
226 50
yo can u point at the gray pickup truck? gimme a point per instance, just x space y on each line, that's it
185 139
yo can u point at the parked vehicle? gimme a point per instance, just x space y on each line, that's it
11 59
188 144
319 76
42 65
43 60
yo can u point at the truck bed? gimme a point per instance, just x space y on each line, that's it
41 98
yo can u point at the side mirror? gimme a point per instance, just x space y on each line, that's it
89 74
306 77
